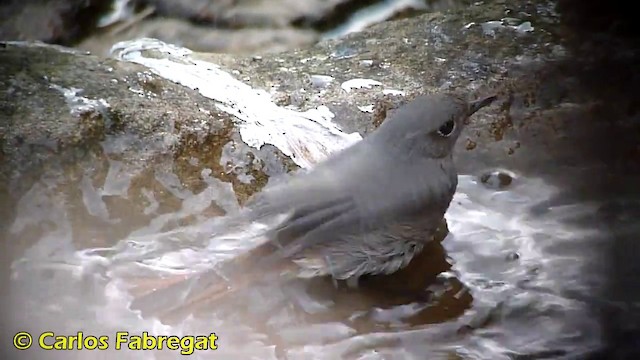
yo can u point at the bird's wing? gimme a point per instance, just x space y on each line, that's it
351 198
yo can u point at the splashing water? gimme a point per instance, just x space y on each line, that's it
519 266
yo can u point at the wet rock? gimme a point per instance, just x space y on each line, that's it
262 13
125 143
56 21
244 27
201 25
205 38
498 179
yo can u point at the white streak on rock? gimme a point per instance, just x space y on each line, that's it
79 104
393 92
359 83
366 108
307 137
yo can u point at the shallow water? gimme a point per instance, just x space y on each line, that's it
521 274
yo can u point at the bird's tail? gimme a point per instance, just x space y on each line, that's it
168 294
186 293
173 294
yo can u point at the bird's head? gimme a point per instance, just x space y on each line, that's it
429 125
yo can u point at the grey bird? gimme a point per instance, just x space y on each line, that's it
366 210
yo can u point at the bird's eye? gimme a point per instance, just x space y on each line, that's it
447 128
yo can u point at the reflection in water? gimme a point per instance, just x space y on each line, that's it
511 277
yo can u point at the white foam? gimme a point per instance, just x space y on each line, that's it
79 104
359 83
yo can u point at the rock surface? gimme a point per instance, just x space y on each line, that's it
204 38
55 21
126 109
202 25
262 13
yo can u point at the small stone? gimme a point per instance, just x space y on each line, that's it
470 145
498 179
513 256
320 81
366 63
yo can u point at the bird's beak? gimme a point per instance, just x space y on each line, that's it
480 103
